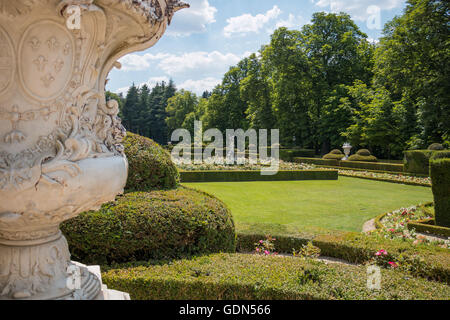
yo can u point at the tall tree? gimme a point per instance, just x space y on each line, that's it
413 64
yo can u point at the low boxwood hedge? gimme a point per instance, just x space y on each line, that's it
289 154
150 166
154 225
440 176
429 226
335 154
421 260
239 176
379 166
390 167
252 277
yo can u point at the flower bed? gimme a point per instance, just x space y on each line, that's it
256 277
388 177
419 259
284 166
405 223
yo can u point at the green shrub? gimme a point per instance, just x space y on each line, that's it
422 261
387 167
236 176
254 277
418 161
357 157
336 151
440 176
289 154
429 226
363 155
154 225
440 155
356 165
335 154
150 166
436 147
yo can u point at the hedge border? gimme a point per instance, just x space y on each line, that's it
252 277
360 165
357 248
424 226
247 176
440 175
416 184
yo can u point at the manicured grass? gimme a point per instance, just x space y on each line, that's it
288 207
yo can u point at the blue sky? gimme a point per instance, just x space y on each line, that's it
204 41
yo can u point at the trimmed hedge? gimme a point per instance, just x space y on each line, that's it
150 165
422 261
357 157
418 161
436 146
289 154
252 277
363 155
335 154
154 225
440 176
388 167
239 176
440 155
429 226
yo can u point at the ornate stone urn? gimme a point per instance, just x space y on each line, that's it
60 140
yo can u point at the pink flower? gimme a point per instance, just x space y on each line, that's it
381 252
261 242
257 249
266 253
393 264
392 230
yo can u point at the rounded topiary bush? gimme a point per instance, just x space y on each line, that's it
436 147
152 225
150 166
335 154
363 155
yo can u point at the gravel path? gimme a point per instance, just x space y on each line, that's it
369 226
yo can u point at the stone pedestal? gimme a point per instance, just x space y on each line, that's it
60 140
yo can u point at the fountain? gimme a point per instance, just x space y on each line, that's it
60 140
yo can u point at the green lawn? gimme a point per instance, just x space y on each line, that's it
293 206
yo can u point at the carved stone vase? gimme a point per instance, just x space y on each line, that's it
60 140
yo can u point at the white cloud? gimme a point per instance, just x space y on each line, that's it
200 86
200 62
135 62
192 20
293 22
247 23
358 9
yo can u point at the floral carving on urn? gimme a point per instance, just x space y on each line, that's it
60 140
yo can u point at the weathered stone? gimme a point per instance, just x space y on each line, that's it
60 140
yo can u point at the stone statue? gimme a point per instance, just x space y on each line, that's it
60 140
